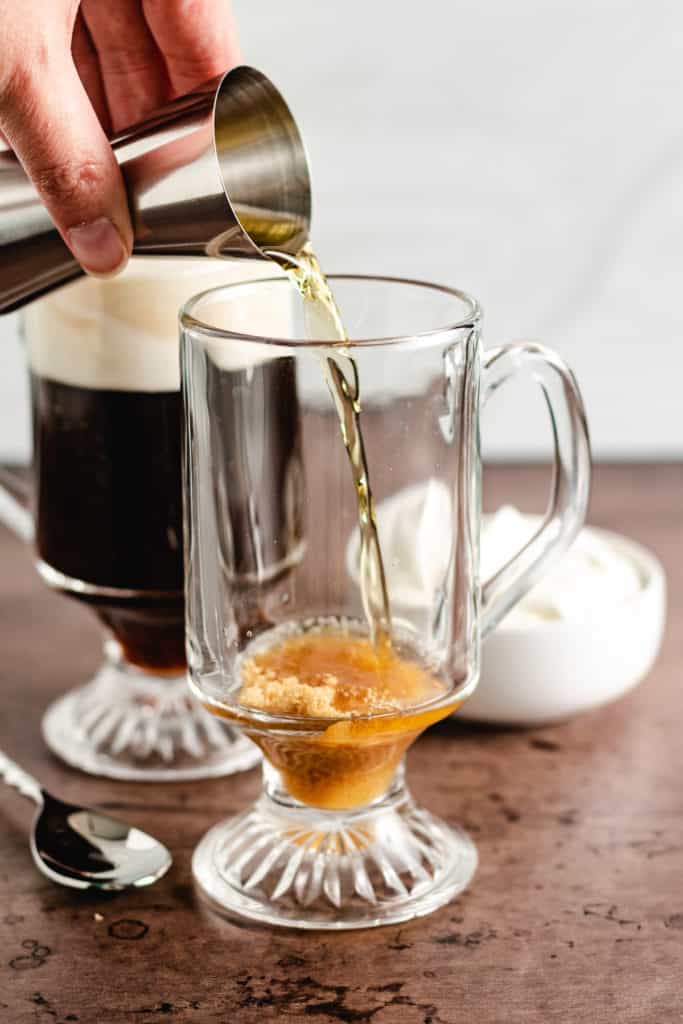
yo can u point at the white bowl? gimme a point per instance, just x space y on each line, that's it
538 676
544 673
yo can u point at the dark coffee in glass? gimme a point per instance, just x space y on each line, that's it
105 385
109 516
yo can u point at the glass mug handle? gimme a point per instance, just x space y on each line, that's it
14 500
571 474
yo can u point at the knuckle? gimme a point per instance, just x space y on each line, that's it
123 61
21 75
15 87
199 63
70 180
193 69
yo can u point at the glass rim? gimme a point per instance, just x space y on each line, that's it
190 322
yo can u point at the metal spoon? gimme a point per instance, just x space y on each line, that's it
83 848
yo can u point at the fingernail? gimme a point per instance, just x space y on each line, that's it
97 246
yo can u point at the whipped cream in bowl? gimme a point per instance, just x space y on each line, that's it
592 575
586 633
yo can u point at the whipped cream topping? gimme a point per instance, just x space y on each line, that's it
414 533
122 333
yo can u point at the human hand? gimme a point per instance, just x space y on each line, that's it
73 71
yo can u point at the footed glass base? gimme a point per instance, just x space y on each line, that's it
287 864
128 724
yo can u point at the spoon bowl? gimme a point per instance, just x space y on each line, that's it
84 848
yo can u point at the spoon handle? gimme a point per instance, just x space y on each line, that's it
15 776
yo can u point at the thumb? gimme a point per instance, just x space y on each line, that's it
54 131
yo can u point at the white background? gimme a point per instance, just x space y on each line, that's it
529 152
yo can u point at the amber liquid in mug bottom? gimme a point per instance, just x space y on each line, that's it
337 674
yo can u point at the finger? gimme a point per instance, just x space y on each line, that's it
60 142
198 39
132 69
88 67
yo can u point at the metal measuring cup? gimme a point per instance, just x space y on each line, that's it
221 171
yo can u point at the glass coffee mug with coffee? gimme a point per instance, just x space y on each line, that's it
103 360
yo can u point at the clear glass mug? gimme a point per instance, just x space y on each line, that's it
107 516
335 840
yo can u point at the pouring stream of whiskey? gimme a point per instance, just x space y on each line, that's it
324 322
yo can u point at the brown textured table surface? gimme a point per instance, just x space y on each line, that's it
575 914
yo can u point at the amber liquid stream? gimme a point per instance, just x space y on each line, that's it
324 323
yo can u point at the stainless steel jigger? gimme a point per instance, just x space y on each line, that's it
219 172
